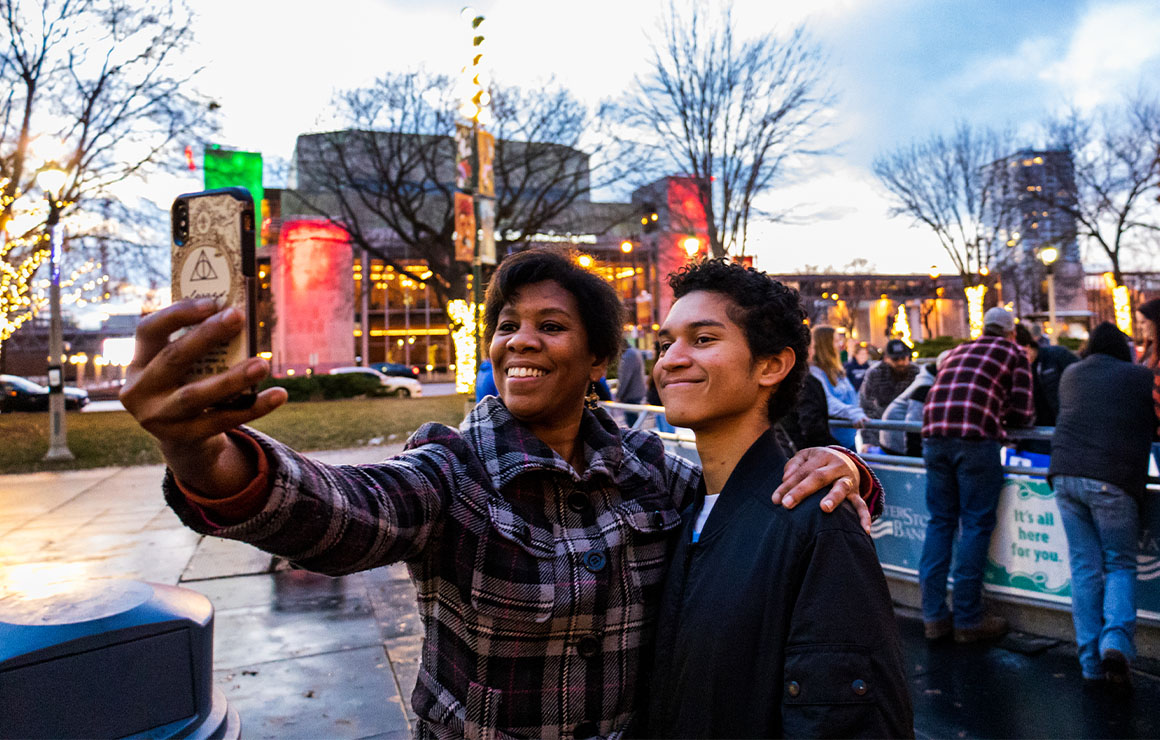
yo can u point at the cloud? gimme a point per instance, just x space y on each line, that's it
847 219
1108 50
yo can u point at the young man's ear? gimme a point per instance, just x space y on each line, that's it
772 369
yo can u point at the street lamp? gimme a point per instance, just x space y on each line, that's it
692 246
51 180
1048 256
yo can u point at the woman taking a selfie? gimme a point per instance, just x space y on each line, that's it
536 534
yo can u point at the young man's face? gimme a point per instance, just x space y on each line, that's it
706 374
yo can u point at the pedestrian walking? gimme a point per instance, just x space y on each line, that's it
981 386
733 658
484 382
1148 319
631 386
884 382
536 534
908 407
841 398
858 365
1099 467
1047 365
807 422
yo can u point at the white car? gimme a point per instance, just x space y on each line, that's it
397 386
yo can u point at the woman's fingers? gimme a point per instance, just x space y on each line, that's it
796 471
811 470
217 421
844 489
184 413
154 330
192 399
168 367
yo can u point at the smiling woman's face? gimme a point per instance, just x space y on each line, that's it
540 356
1147 327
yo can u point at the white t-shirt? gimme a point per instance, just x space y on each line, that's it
703 515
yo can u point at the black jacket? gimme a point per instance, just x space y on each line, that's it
808 423
776 623
1105 425
1047 370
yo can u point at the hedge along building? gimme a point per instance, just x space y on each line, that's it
350 275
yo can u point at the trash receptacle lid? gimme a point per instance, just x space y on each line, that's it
73 603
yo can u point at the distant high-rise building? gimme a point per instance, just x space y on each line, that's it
1032 200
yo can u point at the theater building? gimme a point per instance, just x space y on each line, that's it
327 303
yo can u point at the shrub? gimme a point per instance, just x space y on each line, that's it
299 387
933 347
330 387
347 385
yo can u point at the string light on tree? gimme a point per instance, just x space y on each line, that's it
1121 303
902 325
462 316
975 296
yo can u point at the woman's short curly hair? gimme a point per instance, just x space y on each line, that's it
601 310
769 313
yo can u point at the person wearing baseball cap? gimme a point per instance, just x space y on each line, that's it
980 387
884 382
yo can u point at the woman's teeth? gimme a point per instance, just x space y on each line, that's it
524 372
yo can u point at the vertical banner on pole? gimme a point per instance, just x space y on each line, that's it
486 231
464 170
486 144
464 228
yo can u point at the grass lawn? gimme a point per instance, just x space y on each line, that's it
110 438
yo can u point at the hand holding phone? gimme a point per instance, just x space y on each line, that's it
214 257
189 421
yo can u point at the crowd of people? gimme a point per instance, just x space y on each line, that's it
1104 406
575 579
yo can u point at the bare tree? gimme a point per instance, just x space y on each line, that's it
947 185
732 114
100 87
1116 156
389 179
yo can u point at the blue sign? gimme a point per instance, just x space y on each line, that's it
1028 554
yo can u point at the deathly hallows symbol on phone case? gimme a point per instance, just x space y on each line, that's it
202 269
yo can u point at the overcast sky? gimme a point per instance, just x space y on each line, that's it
902 69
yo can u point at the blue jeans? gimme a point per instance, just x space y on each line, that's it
1102 523
963 480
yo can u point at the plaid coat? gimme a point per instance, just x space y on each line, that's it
538 588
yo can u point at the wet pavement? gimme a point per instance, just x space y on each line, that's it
305 656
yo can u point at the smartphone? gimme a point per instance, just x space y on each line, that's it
214 256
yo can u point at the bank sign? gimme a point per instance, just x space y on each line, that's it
1028 555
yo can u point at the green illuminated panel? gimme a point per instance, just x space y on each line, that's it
225 168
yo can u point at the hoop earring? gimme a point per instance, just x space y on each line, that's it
592 400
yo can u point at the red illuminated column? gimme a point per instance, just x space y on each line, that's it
313 293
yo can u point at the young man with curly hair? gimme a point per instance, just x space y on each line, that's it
809 648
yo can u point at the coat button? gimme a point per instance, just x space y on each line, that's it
657 519
584 730
793 688
578 502
859 687
595 560
588 646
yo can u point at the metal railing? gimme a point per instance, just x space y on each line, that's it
684 438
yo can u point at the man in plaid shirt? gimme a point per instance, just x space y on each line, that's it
980 387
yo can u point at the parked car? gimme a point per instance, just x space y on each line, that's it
401 387
21 394
396 369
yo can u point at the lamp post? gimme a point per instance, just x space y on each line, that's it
1048 256
692 246
51 180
